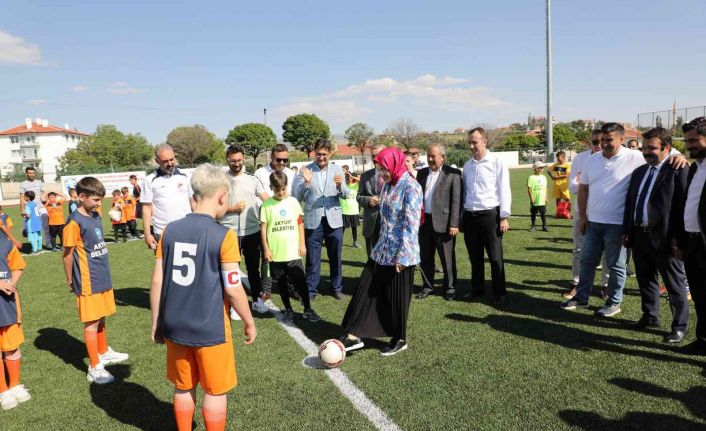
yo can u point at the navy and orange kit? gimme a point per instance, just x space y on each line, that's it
193 311
91 268
11 335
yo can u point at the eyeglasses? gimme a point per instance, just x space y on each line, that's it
236 162
278 160
321 155
595 142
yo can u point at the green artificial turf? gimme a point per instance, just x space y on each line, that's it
524 365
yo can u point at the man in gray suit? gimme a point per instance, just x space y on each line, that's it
369 198
320 185
442 210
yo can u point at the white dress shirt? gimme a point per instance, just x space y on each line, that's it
649 191
487 185
577 165
429 190
263 174
693 197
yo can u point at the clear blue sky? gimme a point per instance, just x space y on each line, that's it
150 66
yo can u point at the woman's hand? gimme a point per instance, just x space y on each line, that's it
399 267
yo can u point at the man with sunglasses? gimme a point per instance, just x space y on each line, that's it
320 185
279 159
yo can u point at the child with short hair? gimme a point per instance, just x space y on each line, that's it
6 226
73 202
282 233
33 222
54 204
537 191
11 335
119 223
194 283
87 271
129 212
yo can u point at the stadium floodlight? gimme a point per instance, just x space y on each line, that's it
550 126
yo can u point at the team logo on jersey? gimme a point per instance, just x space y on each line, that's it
98 232
283 212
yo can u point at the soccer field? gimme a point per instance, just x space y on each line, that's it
470 366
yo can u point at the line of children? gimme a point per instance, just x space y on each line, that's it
537 191
33 222
117 216
282 232
87 271
12 393
195 281
54 204
129 212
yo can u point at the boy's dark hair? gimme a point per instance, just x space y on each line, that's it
133 177
235 148
90 186
613 127
116 192
30 168
72 189
278 180
665 138
50 194
560 153
124 189
29 194
698 124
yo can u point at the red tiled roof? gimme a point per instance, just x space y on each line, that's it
38 128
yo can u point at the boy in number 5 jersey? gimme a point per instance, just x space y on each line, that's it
88 273
195 282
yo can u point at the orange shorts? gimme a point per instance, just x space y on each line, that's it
11 336
96 306
212 366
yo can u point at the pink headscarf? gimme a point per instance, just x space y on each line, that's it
392 159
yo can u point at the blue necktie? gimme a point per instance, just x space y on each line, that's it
643 197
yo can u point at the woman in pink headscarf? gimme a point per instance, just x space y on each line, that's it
380 304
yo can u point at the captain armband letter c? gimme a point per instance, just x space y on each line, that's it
231 278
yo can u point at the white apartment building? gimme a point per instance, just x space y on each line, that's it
38 144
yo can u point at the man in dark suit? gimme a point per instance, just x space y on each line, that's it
369 198
442 212
692 236
651 207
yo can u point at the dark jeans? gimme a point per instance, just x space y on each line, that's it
55 230
334 245
695 264
482 235
250 249
294 270
120 227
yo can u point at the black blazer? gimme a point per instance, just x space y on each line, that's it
681 231
366 190
662 204
446 201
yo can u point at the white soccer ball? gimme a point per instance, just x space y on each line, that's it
332 353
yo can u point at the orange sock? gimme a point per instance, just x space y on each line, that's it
215 420
102 340
184 413
3 383
13 371
91 338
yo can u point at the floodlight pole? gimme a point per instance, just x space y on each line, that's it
264 114
550 125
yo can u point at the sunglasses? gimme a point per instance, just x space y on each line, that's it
596 142
278 160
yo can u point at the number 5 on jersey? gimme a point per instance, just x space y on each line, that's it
184 268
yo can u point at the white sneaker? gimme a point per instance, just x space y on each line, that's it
113 357
270 305
99 375
234 315
20 393
260 306
7 401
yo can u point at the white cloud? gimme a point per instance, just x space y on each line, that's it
79 88
36 102
123 88
449 94
16 50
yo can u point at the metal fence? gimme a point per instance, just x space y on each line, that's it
669 119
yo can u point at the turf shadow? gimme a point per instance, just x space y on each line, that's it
550 249
555 240
634 421
537 264
132 404
692 398
62 345
133 296
574 338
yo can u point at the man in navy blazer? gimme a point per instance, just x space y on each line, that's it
319 186
650 224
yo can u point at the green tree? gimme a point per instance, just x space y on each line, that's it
106 148
564 136
520 142
255 138
303 130
658 121
194 145
384 139
405 132
359 135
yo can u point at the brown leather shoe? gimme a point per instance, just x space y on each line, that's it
570 293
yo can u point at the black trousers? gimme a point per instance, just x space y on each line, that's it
250 249
649 264
695 264
132 226
120 227
54 230
370 241
431 243
294 271
482 235
542 211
